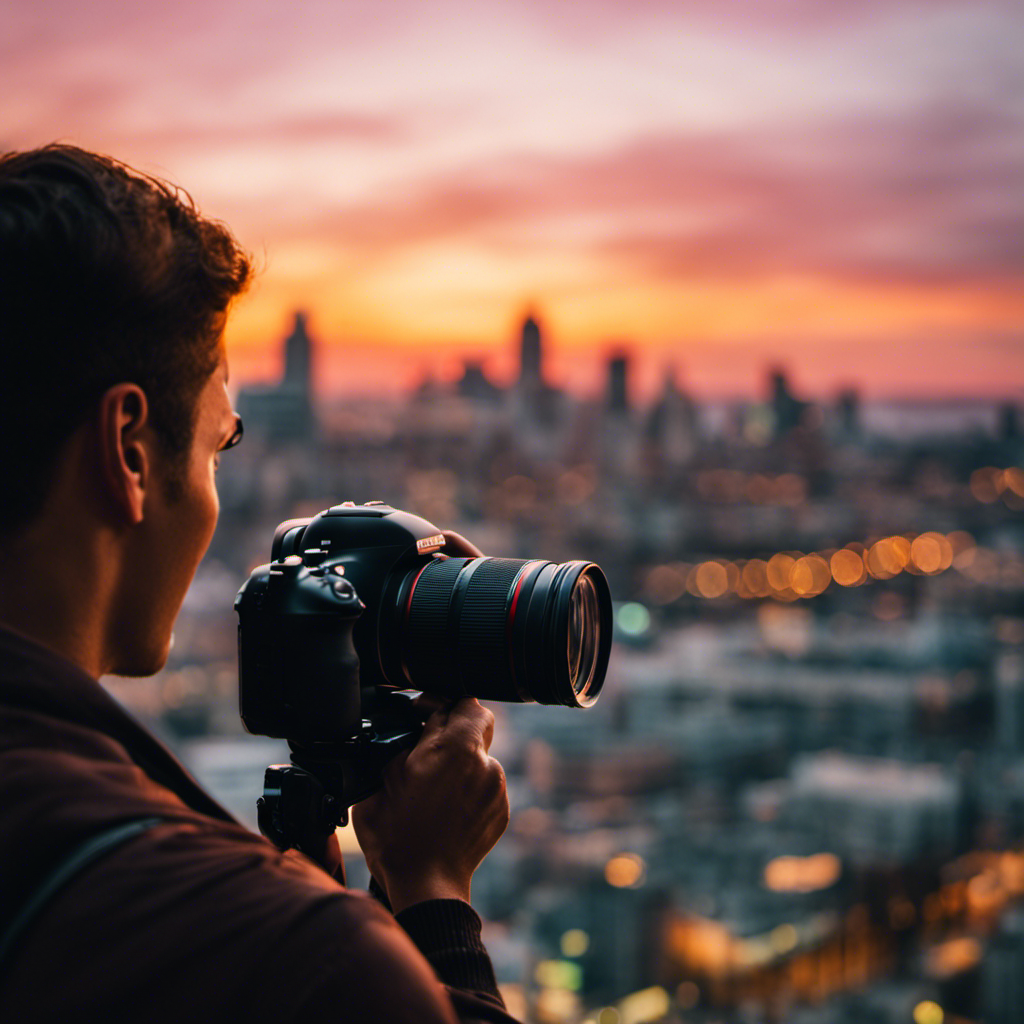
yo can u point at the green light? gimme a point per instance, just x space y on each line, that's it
633 619
559 974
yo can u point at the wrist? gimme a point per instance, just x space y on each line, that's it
406 891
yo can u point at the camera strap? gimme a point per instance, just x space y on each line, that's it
85 854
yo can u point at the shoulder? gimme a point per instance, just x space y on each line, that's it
188 919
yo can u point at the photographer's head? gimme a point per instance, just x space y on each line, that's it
108 276
113 297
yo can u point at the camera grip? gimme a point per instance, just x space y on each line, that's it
298 667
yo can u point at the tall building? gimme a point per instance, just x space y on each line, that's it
848 414
297 353
618 383
476 385
284 411
787 409
535 402
672 425
531 370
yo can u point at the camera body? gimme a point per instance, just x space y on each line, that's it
309 658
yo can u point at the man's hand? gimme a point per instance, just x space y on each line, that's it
442 809
458 546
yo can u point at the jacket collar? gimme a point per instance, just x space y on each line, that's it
33 677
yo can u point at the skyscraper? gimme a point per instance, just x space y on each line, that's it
284 411
618 382
531 372
297 365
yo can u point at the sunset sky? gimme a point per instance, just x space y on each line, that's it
718 184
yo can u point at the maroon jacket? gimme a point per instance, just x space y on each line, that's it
198 918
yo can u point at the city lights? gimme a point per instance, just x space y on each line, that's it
788 576
647 1005
802 874
990 483
928 1012
931 553
710 579
848 568
810 576
559 974
625 871
575 942
633 619
783 939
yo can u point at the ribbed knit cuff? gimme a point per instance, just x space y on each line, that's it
447 933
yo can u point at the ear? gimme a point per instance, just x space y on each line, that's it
125 440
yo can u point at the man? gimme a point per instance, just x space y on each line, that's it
113 414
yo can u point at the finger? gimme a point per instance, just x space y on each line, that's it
456 544
488 729
427 703
466 722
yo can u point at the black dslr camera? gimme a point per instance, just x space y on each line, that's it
360 604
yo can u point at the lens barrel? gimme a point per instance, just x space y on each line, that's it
504 629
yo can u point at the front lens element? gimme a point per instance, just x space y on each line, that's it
584 640
501 629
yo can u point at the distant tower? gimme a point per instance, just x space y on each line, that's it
475 384
1008 425
284 411
618 383
672 424
297 364
848 411
787 409
531 373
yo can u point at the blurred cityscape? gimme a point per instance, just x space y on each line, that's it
800 798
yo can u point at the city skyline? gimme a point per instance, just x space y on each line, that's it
832 186
392 371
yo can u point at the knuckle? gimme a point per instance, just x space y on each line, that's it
494 773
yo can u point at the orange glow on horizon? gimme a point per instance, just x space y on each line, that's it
387 331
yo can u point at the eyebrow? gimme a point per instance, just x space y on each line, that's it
236 435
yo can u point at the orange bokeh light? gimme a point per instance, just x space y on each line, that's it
711 579
848 568
780 571
810 576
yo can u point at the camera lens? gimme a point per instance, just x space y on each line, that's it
499 629
584 634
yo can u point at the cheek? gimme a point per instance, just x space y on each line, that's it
211 511
204 508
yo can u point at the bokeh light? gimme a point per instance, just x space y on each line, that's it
633 619
687 995
802 874
711 579
666 583
810 576
1013 479
987 484
625 871
931 553
780 571
755 577
928 1012
575 942
848 568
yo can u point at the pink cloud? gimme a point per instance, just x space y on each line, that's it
931 197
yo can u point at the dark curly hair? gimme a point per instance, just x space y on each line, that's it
106 275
